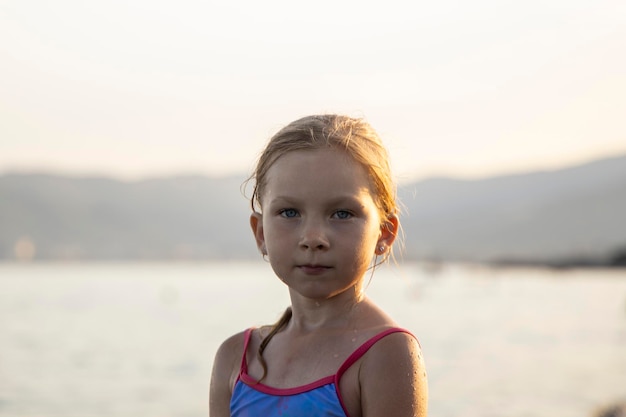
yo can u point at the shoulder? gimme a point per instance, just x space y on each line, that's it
226 365
393 377
230 352
235 341
394 345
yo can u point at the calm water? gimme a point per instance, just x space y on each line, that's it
139 339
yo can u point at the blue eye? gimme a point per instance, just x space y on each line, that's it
342 214
289 213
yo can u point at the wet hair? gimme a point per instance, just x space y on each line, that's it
354 136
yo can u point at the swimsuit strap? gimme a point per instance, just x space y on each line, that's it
355 356
361 350
244 363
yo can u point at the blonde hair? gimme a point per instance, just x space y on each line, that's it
355 136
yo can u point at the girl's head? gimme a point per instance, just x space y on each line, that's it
357 139
354 136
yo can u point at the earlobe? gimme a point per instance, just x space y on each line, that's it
256 223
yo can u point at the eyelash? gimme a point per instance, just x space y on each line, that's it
346 212
294 213
283 213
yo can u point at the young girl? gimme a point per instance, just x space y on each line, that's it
324 214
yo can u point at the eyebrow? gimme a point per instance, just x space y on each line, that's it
338 201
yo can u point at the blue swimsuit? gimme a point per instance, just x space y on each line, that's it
319 398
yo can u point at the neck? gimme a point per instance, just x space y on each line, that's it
336 312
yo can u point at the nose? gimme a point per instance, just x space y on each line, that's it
314 236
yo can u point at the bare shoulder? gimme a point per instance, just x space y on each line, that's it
225 371
393 378
229 354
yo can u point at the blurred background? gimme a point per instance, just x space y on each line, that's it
127 129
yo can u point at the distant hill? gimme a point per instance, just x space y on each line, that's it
548 217
578 213
99 218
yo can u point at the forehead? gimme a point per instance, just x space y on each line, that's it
318 172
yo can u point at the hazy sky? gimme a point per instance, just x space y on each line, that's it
465 88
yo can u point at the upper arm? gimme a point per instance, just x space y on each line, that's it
393 379
225 370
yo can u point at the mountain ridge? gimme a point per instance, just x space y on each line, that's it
543 216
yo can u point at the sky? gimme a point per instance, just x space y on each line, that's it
137 89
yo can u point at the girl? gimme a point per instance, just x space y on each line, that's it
324 213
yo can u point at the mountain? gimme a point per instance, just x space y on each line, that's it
99 218
573 213
547 217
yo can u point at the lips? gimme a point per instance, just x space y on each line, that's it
313 269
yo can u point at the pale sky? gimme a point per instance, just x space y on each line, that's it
137 89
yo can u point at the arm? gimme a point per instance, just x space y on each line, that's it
393 379
225 370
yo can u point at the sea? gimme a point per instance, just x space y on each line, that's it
138 339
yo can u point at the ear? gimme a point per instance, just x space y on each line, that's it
256 222
388 233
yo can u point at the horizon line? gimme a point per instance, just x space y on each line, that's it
78 174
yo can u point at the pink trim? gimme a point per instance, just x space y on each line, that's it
361 350
248 380
355 356
243 369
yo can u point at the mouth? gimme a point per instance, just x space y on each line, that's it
313 269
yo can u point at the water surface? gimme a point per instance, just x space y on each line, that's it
138 339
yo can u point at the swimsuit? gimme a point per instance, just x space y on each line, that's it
319 398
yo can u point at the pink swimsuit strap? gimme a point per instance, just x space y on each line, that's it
362 350
355 356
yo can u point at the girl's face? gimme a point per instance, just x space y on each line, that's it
320 225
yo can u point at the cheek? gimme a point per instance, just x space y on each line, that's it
277 238
275 230
367 245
